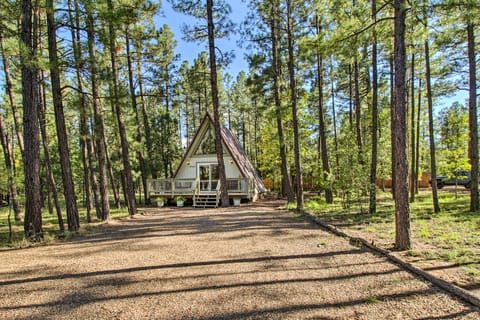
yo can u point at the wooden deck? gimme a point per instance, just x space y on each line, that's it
188 188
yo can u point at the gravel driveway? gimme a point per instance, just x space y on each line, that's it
250 262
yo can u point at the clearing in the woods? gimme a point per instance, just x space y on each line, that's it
256 261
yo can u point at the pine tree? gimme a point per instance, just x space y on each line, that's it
30 77
374 152
402 209
217 24
433 164
99 126
73 219
293 100
473 117
127 179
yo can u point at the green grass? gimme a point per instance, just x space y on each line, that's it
452 235
372 299
51 230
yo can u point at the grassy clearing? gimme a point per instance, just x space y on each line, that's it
50 227
451 235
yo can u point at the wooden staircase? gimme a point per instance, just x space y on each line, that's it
205 200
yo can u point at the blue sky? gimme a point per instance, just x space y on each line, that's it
190 50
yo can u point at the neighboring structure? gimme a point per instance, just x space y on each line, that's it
197 176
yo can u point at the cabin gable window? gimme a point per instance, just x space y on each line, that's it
207 145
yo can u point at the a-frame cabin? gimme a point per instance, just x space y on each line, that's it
197 177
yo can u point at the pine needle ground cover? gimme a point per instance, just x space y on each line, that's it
446 243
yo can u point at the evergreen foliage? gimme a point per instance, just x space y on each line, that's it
317 100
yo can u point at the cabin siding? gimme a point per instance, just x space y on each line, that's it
189 167
231 170
188 171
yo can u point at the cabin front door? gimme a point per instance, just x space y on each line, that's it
208 175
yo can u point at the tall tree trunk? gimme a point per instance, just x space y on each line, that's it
472 119
216 105
334 119
433 166
5 136
93 178
358 111
33 210
84 131
52 185
7 154
274 29
417 142
322 137
402 209
293 100
99 128
413 180
350 97
133 97
73 219
373 164
11 94
127 169
145 124
111 175
169 122
392 124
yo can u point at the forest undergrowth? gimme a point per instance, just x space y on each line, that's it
452 236
12 234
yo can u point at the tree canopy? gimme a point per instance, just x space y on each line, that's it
340 98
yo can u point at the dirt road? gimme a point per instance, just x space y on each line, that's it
249 262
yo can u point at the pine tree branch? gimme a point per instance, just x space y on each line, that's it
357 33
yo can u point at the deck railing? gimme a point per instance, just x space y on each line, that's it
173 187
238 185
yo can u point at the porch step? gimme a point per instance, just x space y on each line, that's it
205 201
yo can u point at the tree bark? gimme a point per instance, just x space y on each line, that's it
7 154
73 219
402 210
146 124
84 131
111 175
99 128
127 169
374 156
293 101
350 97
334 119
33 210
433 165
472 119
413 180
133 97
274 29
52 185
93 178
358 111
322 138
392 116
216 105
417 142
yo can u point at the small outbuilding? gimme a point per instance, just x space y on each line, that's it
197 176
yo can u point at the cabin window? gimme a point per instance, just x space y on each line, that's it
208 176
207 145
